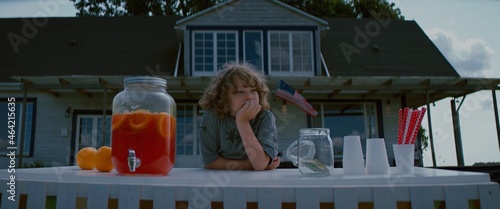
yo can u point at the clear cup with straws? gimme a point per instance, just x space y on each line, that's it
409 124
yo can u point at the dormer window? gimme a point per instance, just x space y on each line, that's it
291 53
286 53
212 50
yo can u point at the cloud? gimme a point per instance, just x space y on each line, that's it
471 57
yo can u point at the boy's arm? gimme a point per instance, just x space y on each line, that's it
256 154
222 163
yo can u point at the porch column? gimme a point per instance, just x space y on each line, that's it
103 125
431 138
456 132
23 127
495 108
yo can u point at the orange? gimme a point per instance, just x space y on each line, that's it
85 158
102 159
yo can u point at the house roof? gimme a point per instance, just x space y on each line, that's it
88 46
139 45
371 47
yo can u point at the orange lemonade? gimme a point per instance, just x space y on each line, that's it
150 135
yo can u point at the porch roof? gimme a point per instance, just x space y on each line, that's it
415 89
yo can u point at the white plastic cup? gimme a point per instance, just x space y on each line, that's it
353 167
382 169
376 157
404 155
352 149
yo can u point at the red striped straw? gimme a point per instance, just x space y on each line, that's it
413 117
403 124
407 118
419 121
400 127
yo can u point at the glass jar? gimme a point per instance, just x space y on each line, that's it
143 130
313 152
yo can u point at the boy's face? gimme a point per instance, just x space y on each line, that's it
242 94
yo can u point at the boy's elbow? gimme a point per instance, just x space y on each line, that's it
259 167
210 165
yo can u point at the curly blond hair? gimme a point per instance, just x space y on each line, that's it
216 94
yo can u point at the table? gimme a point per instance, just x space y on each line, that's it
200 188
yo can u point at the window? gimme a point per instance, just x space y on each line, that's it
347 119
188 122
211 50
13 107
253 53
291 53
91 133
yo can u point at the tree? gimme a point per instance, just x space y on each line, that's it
376 9
421 144
323 8
348 8
112 8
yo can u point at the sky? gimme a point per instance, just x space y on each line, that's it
465 31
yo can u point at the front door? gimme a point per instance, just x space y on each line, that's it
91 132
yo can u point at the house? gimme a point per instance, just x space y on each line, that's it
61 74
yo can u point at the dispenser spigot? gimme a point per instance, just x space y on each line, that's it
132 160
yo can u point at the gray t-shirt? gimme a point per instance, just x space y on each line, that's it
219 136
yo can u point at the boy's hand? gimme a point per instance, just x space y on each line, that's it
248 111
274 164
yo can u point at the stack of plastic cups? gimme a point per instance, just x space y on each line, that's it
353 162
376 157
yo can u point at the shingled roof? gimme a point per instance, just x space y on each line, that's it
370 47
88 46
132 45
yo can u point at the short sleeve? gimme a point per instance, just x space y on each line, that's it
209 137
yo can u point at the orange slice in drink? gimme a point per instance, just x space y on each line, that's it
164 122
117 121
139 120
172 128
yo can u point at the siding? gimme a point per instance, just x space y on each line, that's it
49 146
390 123
288 124
251 12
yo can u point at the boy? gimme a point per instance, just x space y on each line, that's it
237 130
